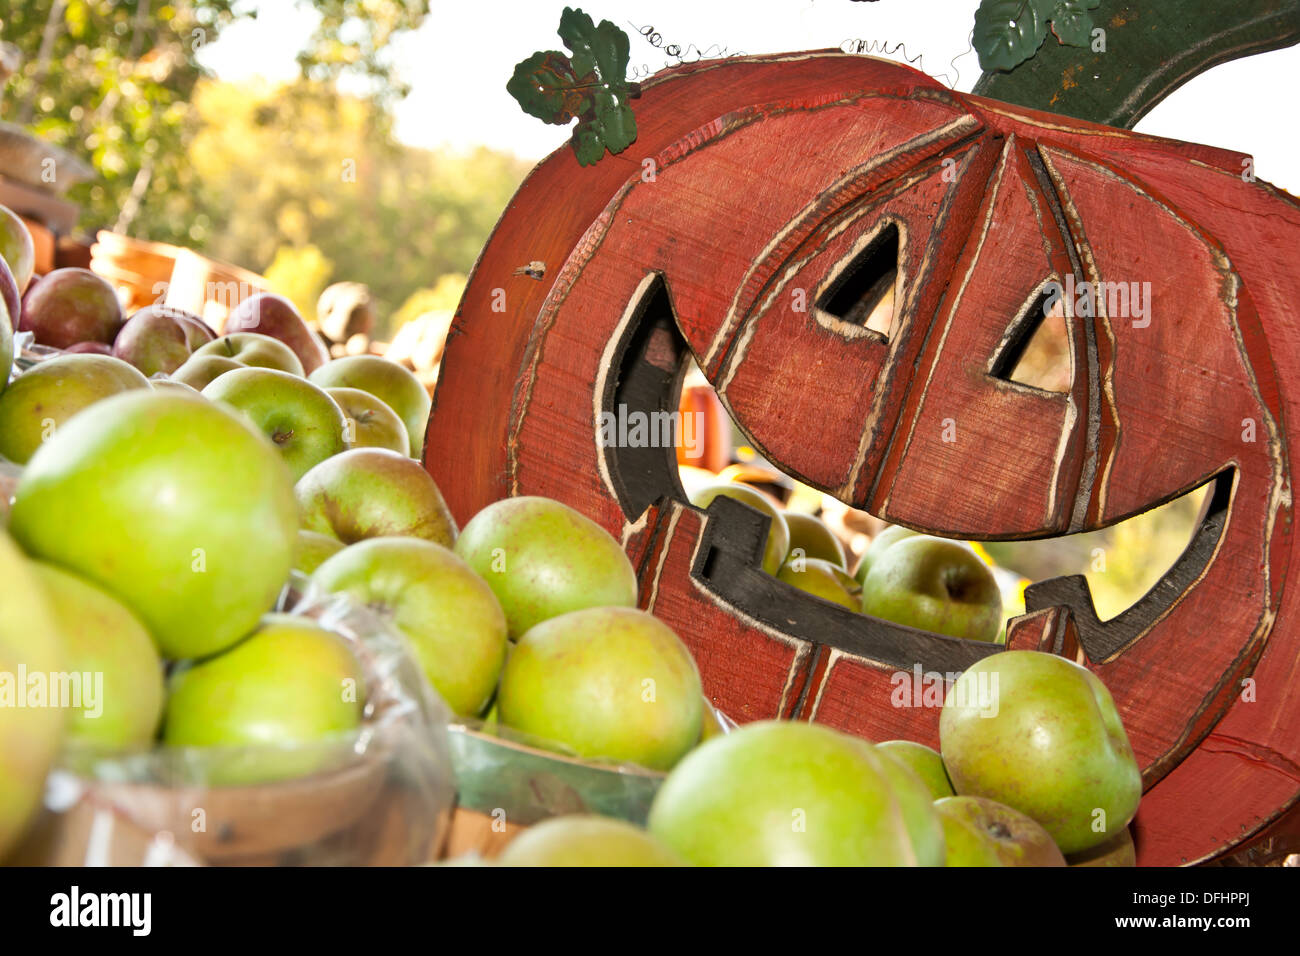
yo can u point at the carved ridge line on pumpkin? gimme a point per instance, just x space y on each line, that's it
635 304
1067 435
989 203
1090 496
592 238
1034 192
663 547
923 147
1190 152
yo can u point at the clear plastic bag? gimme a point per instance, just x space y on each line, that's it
380 795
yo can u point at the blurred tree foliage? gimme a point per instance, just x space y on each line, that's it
297 178
302 165
110 81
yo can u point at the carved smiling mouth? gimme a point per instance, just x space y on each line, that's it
651 358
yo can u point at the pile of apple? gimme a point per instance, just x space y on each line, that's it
174 482
934 584
1047 780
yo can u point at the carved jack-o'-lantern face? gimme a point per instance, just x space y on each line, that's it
750 239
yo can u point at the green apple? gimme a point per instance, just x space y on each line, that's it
882 542
1016 839
543 559
778 534
1041 734
448 615
606 682
175 506
822 579
398 388
288 685
306 425
199 371
967 845
1117 851
312 550
255 350
782 793
171 385
917 807
924 761
586 841
106 642
371 423
40 400
935 585
815 538
17 249
30 736
371 493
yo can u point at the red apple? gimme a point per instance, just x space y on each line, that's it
159 339
10 312
71 306
274 315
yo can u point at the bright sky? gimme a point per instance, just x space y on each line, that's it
459 61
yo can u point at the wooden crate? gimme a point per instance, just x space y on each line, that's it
756 187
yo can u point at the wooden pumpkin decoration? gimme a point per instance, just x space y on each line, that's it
746 229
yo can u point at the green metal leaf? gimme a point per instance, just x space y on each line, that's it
590 83
546 86
602 49
1072 23
1008 32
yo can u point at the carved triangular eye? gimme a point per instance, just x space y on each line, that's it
1036 350
863 292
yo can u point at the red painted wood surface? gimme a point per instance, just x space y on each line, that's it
752 185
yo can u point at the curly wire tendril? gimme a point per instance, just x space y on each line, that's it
675 53
882 47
